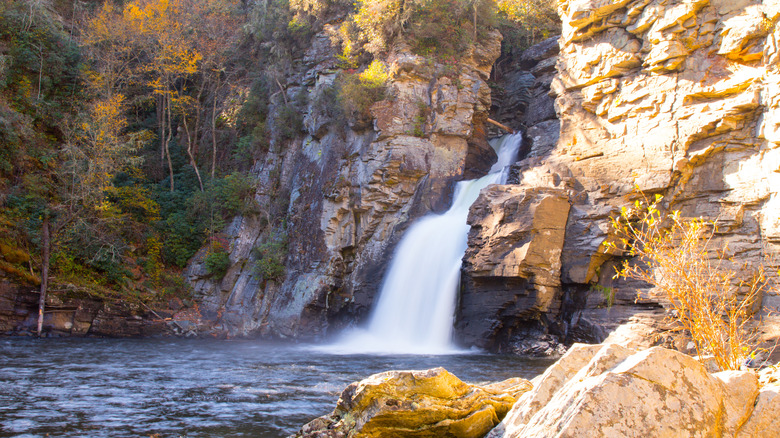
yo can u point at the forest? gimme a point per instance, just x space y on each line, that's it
129 129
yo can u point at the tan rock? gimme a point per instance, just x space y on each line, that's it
544 387
656 392
764 422
742 35
740 392
673 97
517 233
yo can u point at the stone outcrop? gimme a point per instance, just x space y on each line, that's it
601 390
430 403
677 98
614 391
73 314
515 234
347 192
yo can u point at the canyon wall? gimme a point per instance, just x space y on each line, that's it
349 191
678 98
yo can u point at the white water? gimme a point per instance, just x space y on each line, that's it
416 305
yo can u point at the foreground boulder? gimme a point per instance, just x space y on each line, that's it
614 391
430 403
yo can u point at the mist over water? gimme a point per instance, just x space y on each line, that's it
416 306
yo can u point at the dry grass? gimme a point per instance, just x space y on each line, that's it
709 296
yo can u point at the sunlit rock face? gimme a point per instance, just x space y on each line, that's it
678 98
350 191
613 391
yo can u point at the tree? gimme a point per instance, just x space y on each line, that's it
537 19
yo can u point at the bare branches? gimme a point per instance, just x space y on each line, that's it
708 296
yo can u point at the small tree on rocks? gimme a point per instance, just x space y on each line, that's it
709 296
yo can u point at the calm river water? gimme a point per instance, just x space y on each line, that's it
192 388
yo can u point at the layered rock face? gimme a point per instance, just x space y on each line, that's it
430 403
614 391
674 97
350 191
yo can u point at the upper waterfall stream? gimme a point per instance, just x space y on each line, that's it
416 306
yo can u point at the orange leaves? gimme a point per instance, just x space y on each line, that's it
707 295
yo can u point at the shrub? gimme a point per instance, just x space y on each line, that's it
357 92
217 260
271 254
432 27
421 119
288 122
524 23
709 298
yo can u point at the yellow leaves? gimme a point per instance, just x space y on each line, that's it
700 285
375 75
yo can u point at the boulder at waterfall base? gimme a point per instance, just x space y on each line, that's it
430 403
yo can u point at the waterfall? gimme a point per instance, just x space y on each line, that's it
416 306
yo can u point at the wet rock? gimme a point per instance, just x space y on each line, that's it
429 403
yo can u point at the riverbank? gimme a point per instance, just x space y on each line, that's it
608 391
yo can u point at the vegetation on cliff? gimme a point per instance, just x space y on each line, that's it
711 298
129 127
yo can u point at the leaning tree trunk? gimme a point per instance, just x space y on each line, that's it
46 243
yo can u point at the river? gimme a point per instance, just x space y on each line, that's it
193 387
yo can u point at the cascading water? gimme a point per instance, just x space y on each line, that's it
416 305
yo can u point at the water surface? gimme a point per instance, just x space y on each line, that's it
193 388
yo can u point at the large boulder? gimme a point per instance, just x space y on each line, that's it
430 403
515 233
613 391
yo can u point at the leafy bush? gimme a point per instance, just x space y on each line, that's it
357 92
271 254
217 262
288 122
421 119
524 23
710 299
432 27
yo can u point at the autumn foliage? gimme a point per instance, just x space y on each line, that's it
708 298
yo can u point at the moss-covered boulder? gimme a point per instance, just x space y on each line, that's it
430 403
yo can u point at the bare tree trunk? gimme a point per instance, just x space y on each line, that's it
46 243
40 71
191 155
214 131
475 22
198 112
284 94
161 123
168 141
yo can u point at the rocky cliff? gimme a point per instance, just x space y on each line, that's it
677 98
347 192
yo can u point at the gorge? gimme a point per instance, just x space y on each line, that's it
605 118
333 159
